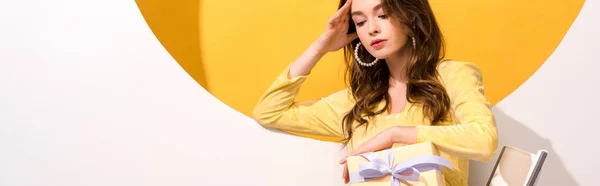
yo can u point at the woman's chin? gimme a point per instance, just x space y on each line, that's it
381 55
384 53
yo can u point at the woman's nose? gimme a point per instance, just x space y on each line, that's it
373 28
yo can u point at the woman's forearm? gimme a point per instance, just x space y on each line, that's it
306 62
405 135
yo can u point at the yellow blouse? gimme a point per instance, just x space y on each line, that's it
470 133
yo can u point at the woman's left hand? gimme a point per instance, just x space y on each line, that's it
383 140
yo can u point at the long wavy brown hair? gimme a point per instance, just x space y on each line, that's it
369 85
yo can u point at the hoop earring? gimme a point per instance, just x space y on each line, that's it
360 61
414 43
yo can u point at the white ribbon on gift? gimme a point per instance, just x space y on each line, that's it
377 167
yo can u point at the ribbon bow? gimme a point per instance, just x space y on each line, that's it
377 167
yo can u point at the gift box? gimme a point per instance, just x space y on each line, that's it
411 165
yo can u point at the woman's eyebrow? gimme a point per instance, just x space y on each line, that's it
375 8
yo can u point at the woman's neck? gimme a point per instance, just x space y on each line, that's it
397 64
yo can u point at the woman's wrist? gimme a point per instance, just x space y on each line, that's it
317 49
306 62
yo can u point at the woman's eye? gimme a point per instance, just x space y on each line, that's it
383 16
360 23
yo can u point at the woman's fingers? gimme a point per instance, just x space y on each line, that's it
343 160
332 20
342 10
342 13
345 175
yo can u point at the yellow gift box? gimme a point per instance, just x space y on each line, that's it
412 165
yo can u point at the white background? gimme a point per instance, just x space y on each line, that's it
88 96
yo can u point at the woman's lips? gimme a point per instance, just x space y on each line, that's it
378 43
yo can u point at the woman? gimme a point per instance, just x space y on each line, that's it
400 90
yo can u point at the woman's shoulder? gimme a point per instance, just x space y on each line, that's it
451 65
454 69
460 76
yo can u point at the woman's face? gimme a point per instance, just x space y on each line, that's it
375 30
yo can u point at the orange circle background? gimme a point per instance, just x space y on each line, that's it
235 49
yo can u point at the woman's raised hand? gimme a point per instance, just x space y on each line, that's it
335 36
333 39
